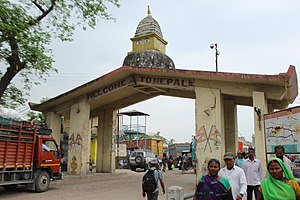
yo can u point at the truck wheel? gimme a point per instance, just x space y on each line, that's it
10 187
42 182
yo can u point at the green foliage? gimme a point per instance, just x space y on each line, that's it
26 31
36 117
12 97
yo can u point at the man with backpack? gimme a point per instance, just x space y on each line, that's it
150 181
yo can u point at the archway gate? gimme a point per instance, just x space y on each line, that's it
216 95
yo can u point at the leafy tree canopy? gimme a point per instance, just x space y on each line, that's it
36 117
26 30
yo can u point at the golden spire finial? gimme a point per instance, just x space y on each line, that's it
149 12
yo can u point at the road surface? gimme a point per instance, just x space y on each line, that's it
125 185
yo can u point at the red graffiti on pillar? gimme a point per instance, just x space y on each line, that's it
73 143
214 136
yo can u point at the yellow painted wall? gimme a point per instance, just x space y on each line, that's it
157 147
93 146
148 42
154 146
160 148
93 150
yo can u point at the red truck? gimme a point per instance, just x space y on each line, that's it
23 160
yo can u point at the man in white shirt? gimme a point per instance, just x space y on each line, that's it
45 147
279 151
253 171
235 176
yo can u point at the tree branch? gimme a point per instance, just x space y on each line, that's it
7 77
14 59
44 12
38 5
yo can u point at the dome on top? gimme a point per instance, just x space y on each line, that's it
148 25
149 59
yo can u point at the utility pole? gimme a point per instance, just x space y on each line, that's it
215 46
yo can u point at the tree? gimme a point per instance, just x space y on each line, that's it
26 30
171 141
36 117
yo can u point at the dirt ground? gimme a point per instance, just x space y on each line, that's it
125 185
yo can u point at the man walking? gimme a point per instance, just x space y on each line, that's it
253 171
235 176
239 160
164 162
279 151
150 181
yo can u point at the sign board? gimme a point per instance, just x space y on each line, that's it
108 89
283 128
164 82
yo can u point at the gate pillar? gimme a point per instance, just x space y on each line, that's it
210 134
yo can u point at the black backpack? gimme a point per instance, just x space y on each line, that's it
149 182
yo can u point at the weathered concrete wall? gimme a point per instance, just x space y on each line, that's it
53 122
106 134
231 133
79 138
210 134
261 107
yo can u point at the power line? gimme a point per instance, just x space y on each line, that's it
62 77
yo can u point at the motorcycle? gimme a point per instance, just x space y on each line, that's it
188 164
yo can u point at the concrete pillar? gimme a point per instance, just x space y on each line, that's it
107 131
53 122
175 193
231 133
209 126
79 138
100 143
260 108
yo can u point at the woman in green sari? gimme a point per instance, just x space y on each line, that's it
280 183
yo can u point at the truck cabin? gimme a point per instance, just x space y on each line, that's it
47 151
48 144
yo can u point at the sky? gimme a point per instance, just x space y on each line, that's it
260 37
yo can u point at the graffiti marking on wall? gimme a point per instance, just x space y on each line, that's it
214 137
75 142
74 165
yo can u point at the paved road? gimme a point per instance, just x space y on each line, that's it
125 185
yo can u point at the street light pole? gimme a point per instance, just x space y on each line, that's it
217 54
215 46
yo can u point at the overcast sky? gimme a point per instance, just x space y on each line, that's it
261 37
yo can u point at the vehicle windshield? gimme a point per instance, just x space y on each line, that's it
51 145
149 154
140 154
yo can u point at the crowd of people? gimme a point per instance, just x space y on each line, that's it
242 178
